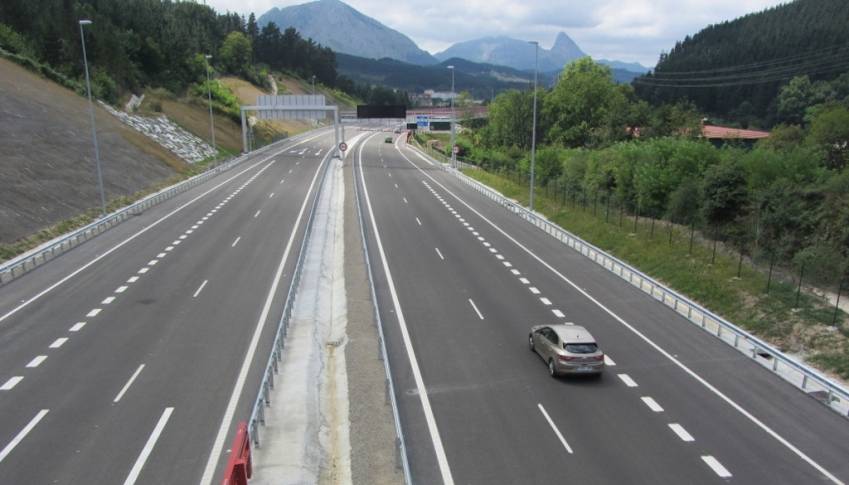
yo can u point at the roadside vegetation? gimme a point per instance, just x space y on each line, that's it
749 231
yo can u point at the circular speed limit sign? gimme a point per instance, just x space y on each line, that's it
456 149
343 146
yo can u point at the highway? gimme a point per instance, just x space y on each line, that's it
460 280
127 359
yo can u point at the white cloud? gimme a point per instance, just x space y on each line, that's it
628 30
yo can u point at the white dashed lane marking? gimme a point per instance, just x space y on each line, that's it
557 313
36 361
627 380
77 327
652 404
107 300
58 342
476 309
681 432
93 312
11 383
716 466
440 254
608 361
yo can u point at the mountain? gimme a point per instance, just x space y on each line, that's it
519 54
633 67
515 53
481 80
334 24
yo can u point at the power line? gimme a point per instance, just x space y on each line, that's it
740 81
810 55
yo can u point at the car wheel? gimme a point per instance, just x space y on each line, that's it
531 343
552 371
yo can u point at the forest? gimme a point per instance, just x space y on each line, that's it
734 70
134 44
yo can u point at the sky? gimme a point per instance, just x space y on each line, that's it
624 30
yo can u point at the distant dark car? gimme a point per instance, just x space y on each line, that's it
388 139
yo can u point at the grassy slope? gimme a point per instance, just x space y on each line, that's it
805 330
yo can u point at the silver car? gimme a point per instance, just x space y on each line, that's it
567 349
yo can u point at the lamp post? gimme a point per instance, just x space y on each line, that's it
209 97
453 155
93 126
534 123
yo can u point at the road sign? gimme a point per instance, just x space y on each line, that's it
456 149
422 121
343 146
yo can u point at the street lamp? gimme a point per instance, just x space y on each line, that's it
534 124
209 96
93 126
453 155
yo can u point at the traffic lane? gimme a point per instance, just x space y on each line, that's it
472 407
83 298
23 288
37 325
697 348
133 340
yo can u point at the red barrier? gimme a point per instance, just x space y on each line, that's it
238 468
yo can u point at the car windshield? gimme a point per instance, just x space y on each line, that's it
581 348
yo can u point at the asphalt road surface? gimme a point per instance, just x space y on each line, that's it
460 281
127 359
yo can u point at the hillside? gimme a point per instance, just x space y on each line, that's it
47 172
736 68
334 24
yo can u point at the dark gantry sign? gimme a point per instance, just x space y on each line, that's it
374 111
412 126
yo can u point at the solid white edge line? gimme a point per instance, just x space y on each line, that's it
554 427
652 404
681 432
760 424
139 233
128 384
200 288
218 444
476 309
716 466
148 447
439 450
36 361
22 434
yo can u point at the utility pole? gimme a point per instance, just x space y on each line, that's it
93 126
534 125
313 83
209 95
453 155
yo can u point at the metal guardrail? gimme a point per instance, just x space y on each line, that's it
800 375
263 398
384 355
30 260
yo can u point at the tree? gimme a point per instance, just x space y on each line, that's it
582 105
830 132
236 53
724 195
510 115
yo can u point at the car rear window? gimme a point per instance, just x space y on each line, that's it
581 348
